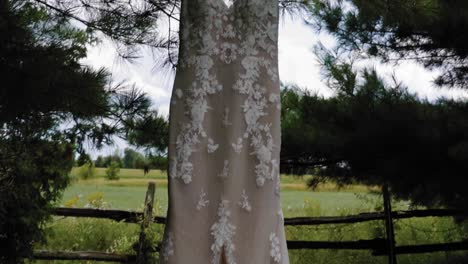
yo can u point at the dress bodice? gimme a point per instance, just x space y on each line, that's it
240 38
231 31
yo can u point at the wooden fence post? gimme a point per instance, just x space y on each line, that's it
390 232
143 247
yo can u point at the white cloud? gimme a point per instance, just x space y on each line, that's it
297 63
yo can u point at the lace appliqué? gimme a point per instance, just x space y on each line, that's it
244 202
275 99
168 249
280 214
237 146
196 108
275 250
212 147
228 52
225 172
223 232
262 35
202 202
260 134
217 32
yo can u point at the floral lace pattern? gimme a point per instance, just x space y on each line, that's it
225 172
251 39
202 202
237 147
280 214
212 147
221 35
244 203
275 251
168 247
223 231
197 106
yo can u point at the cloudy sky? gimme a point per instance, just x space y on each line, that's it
297 65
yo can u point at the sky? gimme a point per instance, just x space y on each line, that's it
297 65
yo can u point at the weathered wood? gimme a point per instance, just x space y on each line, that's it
82 255
390 232
132 217
373 244
428 213
365 217
117 215
426 248
333 219
142 255
159 220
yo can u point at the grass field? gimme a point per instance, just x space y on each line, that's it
128 193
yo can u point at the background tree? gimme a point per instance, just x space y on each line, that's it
149 131
130 158
83 158
375 132
159 162
35 157
99 162
44 87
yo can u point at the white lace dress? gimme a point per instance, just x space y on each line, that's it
224 185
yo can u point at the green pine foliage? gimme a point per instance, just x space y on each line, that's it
50 104
430 32
38 71
374 132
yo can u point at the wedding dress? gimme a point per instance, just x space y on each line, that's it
224 182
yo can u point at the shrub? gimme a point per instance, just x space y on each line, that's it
112 171
73 202
86 171
96 200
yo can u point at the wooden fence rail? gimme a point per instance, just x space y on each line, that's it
83 255
428 248
133 217
372 244
378 246
117 215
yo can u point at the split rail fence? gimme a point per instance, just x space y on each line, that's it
378 246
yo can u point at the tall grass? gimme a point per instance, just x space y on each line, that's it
111 236
327 199
408 232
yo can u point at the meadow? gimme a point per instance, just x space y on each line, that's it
297 200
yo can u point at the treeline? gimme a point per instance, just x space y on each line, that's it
132 159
